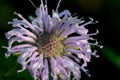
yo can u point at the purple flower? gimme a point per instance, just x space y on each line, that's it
45 47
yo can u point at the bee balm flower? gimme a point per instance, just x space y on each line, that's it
45 47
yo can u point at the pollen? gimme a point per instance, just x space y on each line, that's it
50 45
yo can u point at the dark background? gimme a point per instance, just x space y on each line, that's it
107 12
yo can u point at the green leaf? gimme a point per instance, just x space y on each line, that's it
12 71
112 56
25 75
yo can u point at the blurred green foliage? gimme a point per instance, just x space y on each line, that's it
6 14
90 5
112 55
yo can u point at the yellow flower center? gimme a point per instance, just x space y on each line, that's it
50 45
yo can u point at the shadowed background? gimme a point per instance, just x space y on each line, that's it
107 12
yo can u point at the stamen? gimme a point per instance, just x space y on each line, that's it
58 5
32 3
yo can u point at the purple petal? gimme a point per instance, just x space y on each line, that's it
45 73
22 59
20 38
79 53
54 68
89 22
60 59
63 73
73 57
36 65
67 32
25 23
22 46
75 39
33 57
18 31
72 66
65 13
81 30
66 24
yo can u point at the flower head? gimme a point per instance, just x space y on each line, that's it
46 47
